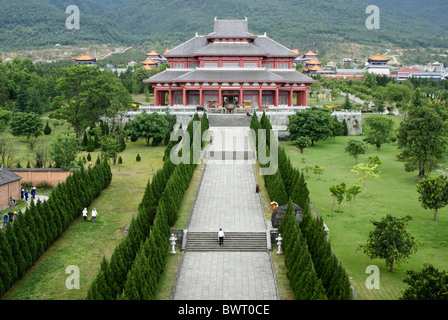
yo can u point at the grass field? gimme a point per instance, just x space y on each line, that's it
393 193
85 243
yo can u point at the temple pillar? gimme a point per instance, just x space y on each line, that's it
291 98
276 97
201 98
260 97
170 97
220 97
156 97
241 96
184 97
306 97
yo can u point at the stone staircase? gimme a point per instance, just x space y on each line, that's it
229 120
234 241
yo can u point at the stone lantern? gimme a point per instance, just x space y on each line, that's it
173 243
279 243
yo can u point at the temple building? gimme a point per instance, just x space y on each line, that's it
377 64
313 66
310 55
230 65
154 55
149 64
85 58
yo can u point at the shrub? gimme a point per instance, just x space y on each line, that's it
47 129
138 158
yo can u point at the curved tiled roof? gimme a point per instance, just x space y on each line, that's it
231 49
152 53
314 61
188 47
230 29
229 75
148 61
311 53
85 57
262 42
378 57
316 68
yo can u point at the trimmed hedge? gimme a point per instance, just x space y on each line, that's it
310 261
35 230
138 261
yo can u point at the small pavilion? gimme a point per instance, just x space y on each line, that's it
85 59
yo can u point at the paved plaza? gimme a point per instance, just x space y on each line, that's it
227 199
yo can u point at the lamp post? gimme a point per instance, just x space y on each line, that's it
173 243
279 243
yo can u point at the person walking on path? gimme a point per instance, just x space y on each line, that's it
84 214
21 193
26 195
221 237
11 216
33 192
5 220
94 214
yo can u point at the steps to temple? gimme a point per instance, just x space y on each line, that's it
229 120
234 241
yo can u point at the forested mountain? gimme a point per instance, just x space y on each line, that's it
299 24
28 24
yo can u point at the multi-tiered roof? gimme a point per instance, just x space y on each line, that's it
230 54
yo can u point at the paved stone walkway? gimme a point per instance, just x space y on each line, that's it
226 199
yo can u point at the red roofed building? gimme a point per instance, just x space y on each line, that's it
403 74
230 65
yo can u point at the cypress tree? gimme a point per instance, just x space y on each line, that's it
8 266
96 141
23 242
15 250
90 146
47 129
85 140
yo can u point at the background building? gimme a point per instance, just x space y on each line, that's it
9 187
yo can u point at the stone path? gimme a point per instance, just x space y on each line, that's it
226 199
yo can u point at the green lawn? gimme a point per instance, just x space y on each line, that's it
393 193
21 144
85 243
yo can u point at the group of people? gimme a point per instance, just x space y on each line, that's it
9 217
24 193
85 213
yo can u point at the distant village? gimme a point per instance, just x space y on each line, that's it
311 65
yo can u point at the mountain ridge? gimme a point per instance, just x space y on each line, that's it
320 24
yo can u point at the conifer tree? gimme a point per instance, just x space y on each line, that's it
85 140
15 250
47 129
8 266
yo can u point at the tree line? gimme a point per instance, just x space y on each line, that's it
41 224
137 263
313 269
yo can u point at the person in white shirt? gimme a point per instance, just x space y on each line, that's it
84 214
221 237
94 214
